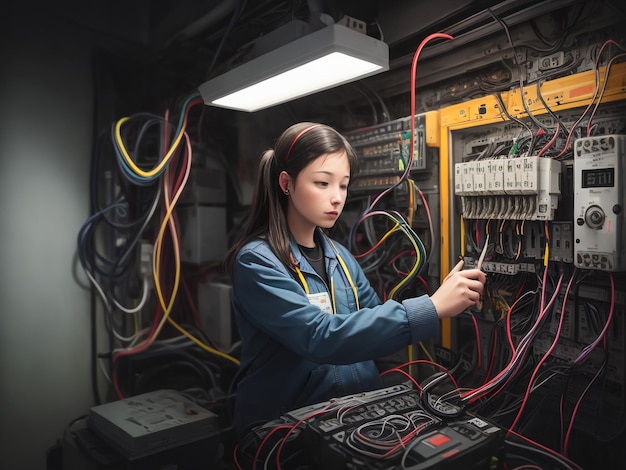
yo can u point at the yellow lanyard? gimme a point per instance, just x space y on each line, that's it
332 283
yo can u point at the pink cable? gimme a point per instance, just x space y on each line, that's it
545 356
416 55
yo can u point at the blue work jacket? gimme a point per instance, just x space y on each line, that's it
293 353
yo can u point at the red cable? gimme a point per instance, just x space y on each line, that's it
582 116
545 356
508 319
293 428
547 449
416 55
424 284
483 389
606 77
603 335
521 288
493 356
406 374
552 140
578 402
424 361
258 451
143 346
235 459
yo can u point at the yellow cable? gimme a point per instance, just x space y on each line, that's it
156 254
169 221
388 234
501 233
462 225
411 211
156 258
430 358
129 160
200 343
413 269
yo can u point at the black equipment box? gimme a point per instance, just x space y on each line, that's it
389 429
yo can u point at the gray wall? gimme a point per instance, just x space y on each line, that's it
45 141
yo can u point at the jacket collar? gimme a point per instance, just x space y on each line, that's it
320 237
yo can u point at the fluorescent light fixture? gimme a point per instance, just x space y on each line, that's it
320 60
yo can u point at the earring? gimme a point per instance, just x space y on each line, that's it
286 192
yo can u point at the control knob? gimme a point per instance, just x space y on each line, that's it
595 217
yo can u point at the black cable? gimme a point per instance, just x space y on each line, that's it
168 354
361 90
561 36
539 451
519 67
233 19
511 117
386 116
511 460
545 105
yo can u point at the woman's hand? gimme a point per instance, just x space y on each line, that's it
459 290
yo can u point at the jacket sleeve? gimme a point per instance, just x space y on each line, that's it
270 299
420 311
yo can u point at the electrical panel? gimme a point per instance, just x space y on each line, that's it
549 205
599 200
384 151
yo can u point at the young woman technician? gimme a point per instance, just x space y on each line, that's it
310 323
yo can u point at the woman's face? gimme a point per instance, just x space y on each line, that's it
317 196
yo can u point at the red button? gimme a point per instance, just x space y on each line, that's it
437 440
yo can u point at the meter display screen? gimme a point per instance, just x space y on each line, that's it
598 178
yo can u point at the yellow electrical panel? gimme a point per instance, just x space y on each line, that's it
566 93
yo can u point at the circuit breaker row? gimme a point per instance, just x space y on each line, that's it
516 188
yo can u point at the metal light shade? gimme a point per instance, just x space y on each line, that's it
320 60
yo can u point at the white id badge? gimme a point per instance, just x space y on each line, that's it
322 300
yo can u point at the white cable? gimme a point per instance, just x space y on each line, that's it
93 281
142 302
